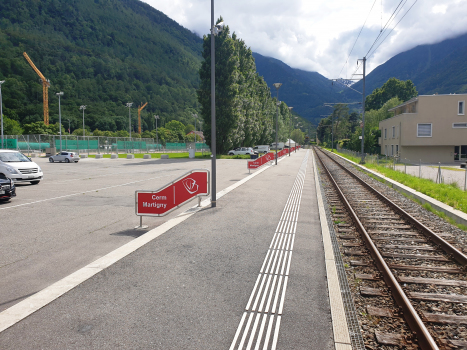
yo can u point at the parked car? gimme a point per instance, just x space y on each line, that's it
261 149
241 150
7 188
19 168
66 157
280 146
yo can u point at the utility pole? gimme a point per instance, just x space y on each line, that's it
196 118
362 161
60 94
277 86
157 135
129 104
83 107
290 135
1 108
69 126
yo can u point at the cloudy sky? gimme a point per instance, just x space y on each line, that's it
318 35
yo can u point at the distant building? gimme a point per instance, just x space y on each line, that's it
430 128
200 135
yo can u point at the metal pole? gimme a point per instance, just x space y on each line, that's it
59 94
1 109
362 161
290 136
465 181
213 110
420 169
277 86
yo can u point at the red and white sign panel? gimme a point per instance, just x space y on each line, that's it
253 164
282 153
173 195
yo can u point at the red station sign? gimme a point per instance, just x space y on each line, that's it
173 195
253 164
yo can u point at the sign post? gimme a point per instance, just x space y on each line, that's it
254 164
173 195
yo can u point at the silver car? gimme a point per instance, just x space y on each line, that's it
241 150
66 157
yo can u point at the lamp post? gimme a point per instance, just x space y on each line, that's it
196 118
83 107
215 29
157 135
1 108
60 94
277 86
129 104
290 122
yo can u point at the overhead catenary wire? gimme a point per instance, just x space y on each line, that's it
392 29
363 26
391 18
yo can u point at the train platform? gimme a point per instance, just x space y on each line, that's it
256 272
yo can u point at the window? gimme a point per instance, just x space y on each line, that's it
393 132
424 130
392 150
460 110
385 134
397 149
386 150
459 125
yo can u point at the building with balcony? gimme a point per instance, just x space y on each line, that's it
430 128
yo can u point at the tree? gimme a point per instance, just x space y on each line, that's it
298 136
79 132
177 129
404 90
11 127
189 128
41 128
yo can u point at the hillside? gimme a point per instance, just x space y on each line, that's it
305 91
440 68
100 53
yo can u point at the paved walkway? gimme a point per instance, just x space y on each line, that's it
249 274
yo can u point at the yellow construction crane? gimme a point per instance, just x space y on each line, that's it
45 88
140 108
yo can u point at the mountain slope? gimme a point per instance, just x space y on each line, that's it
101 53
432 68
305 91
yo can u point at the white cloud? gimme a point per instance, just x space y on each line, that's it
318 35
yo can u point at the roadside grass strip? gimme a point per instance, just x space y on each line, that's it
264 309
448 194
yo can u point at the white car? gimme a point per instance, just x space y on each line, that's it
66 157
242 151
262 149
19 168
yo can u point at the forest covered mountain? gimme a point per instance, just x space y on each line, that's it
436 68
100 53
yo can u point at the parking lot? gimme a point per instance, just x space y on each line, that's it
80 212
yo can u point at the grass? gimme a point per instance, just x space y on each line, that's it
449 194
178 155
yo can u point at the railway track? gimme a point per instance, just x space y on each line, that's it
409 282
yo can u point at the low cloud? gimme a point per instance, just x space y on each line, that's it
318 35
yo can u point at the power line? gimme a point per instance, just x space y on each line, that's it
357 37
392 28
386 25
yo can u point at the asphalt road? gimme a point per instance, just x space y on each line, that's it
80 212
188 288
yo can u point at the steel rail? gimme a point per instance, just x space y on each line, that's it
425 340
453 252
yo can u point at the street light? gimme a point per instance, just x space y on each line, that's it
83 107
157 135
129 104
215 29
277 86
1 107
196 118
60 94
290 122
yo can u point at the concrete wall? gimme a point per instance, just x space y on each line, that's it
428 154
